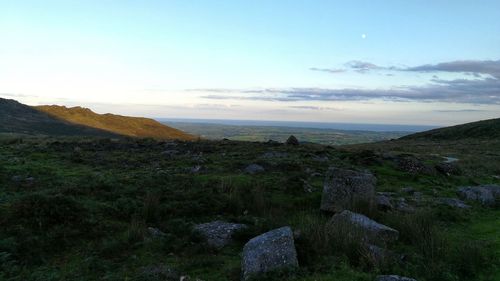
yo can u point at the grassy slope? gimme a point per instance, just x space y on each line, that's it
123 125
118 188
17 118
485 129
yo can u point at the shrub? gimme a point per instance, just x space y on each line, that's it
43 212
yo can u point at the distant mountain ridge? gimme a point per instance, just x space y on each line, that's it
118 124
485 129
53 120
18 118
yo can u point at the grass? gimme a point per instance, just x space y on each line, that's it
85 215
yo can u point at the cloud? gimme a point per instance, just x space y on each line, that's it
307 107
470 67
362 66
14 95
479 91
460 110
329 70
474 68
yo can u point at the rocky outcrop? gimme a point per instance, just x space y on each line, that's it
412 165
344 188
370 230
273 250
292 140
448 168
218 233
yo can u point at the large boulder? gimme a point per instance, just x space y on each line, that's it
273 250
393 278
484 194
218 233
370 230
344 188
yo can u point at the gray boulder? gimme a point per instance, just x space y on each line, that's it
344 188
393 278
453 202
370 230
218 233
482 194
254 169
270 251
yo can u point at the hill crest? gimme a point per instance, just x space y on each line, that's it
118 124
484 129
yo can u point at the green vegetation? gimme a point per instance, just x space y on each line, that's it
265 133
79 209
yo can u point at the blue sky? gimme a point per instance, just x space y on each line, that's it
399 62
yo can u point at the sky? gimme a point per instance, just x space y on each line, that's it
387 62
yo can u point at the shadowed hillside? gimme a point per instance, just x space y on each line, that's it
123 125
17 118
486 129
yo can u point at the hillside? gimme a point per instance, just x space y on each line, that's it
128 209
17 118
485 129
123 125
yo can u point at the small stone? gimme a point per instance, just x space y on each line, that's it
393 278
254 169
453 202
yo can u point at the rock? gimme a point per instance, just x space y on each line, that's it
344 188
218 233
383 203
370 230
292 140
448 168
379 256
273 250
408 190
254 169
412 165
453 202
155 232
195 169
158 272
170 153
483 194
402 206
393 278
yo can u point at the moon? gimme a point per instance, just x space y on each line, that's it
363 36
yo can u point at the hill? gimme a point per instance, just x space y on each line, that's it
122 125
485 129
18 118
